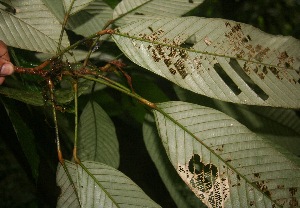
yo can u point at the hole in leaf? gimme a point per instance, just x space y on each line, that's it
236 90
238 69
186 45
207 173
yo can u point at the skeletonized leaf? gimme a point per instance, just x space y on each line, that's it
77 5
179 191
100 185
33 27
131 10
218 58
97 136
224 163
68 196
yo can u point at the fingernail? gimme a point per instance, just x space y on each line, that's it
7 69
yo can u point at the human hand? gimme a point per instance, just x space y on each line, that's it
6 67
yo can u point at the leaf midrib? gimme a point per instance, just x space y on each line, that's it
212 152
200 52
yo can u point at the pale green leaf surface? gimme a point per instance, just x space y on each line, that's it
224 163
131 10
67 197
281 126
33 27
85 24
97 136
77 5
218 58
57 9
91 19
99 7
179 191
100 185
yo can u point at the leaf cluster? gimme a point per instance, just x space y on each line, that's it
106 84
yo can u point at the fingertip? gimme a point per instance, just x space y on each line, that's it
7 69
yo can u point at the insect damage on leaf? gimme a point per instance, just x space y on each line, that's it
253 54
206 181
173 56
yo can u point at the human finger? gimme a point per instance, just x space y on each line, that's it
4 56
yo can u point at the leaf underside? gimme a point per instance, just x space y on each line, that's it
99 185
281 126
131 10
224 163
32 27
97 136
77 5
218 58
91 19
179 191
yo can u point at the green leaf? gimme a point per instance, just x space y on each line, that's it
57 9
218 58
131 10
68 196
66 93
179 191
97 136
100 185
25 136
224 163
33 27
91 19
29 97
281 126
77 6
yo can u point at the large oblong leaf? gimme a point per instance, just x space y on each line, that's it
218 58
33 27
99 185
179 191
131 10
224 163
281 126
97 136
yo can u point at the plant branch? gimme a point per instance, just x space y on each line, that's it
38 70
64 25
75 88
121 88
59 153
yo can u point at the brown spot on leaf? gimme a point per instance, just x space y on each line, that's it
173 71
263 187
293 191
256 175
280 186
